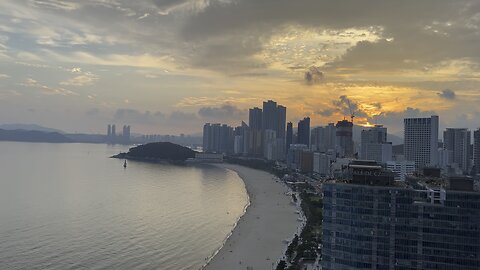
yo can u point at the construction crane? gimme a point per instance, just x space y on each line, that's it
352 111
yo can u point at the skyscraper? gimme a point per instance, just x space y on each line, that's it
323 138
269 117
421 141
281 121
476 150
218 138
289 135
304 131
374 144
345 138
239 140
457 141
274 118
125 139
255 118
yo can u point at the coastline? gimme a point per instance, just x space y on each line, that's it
258 239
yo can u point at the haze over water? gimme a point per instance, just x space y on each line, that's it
68 206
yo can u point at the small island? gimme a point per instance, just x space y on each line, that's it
158 152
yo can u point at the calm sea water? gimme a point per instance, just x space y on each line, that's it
68 206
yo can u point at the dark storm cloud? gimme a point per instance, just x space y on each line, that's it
447 94
348 106
314 75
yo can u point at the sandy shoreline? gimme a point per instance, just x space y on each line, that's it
258 240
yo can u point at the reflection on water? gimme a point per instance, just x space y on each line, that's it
67 206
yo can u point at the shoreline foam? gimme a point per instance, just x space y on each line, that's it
258 238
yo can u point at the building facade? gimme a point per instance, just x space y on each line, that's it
344 138
303 131
457 142
289 139
374 145
218 138
321 163
255 117
401 169
476 150
421 141
394 227
323 139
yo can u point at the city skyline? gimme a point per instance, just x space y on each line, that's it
164 66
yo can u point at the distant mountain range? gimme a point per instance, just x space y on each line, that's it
29 127
20 135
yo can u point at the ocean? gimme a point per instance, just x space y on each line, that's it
69 206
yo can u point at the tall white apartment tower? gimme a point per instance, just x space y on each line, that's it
421 141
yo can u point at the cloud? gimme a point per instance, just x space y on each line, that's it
168 6
325 112
394 120
348 106
47 90
84 79
447 94
175 118
435 31
314 75
175 121
93 112
55 4
216 101
225 112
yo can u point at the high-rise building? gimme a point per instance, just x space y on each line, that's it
371 222
240 133
303 131
255 118
457 142
125 139
114 132
476 150
281 121
322 139
289 135
274 118
269 117
109 131
344 138
218 138
270 144
321 163
421 141
295 156
374 145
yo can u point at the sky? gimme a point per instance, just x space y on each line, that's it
168 66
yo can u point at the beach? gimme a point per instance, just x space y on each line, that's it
258 240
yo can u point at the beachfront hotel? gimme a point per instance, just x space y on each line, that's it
426 222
